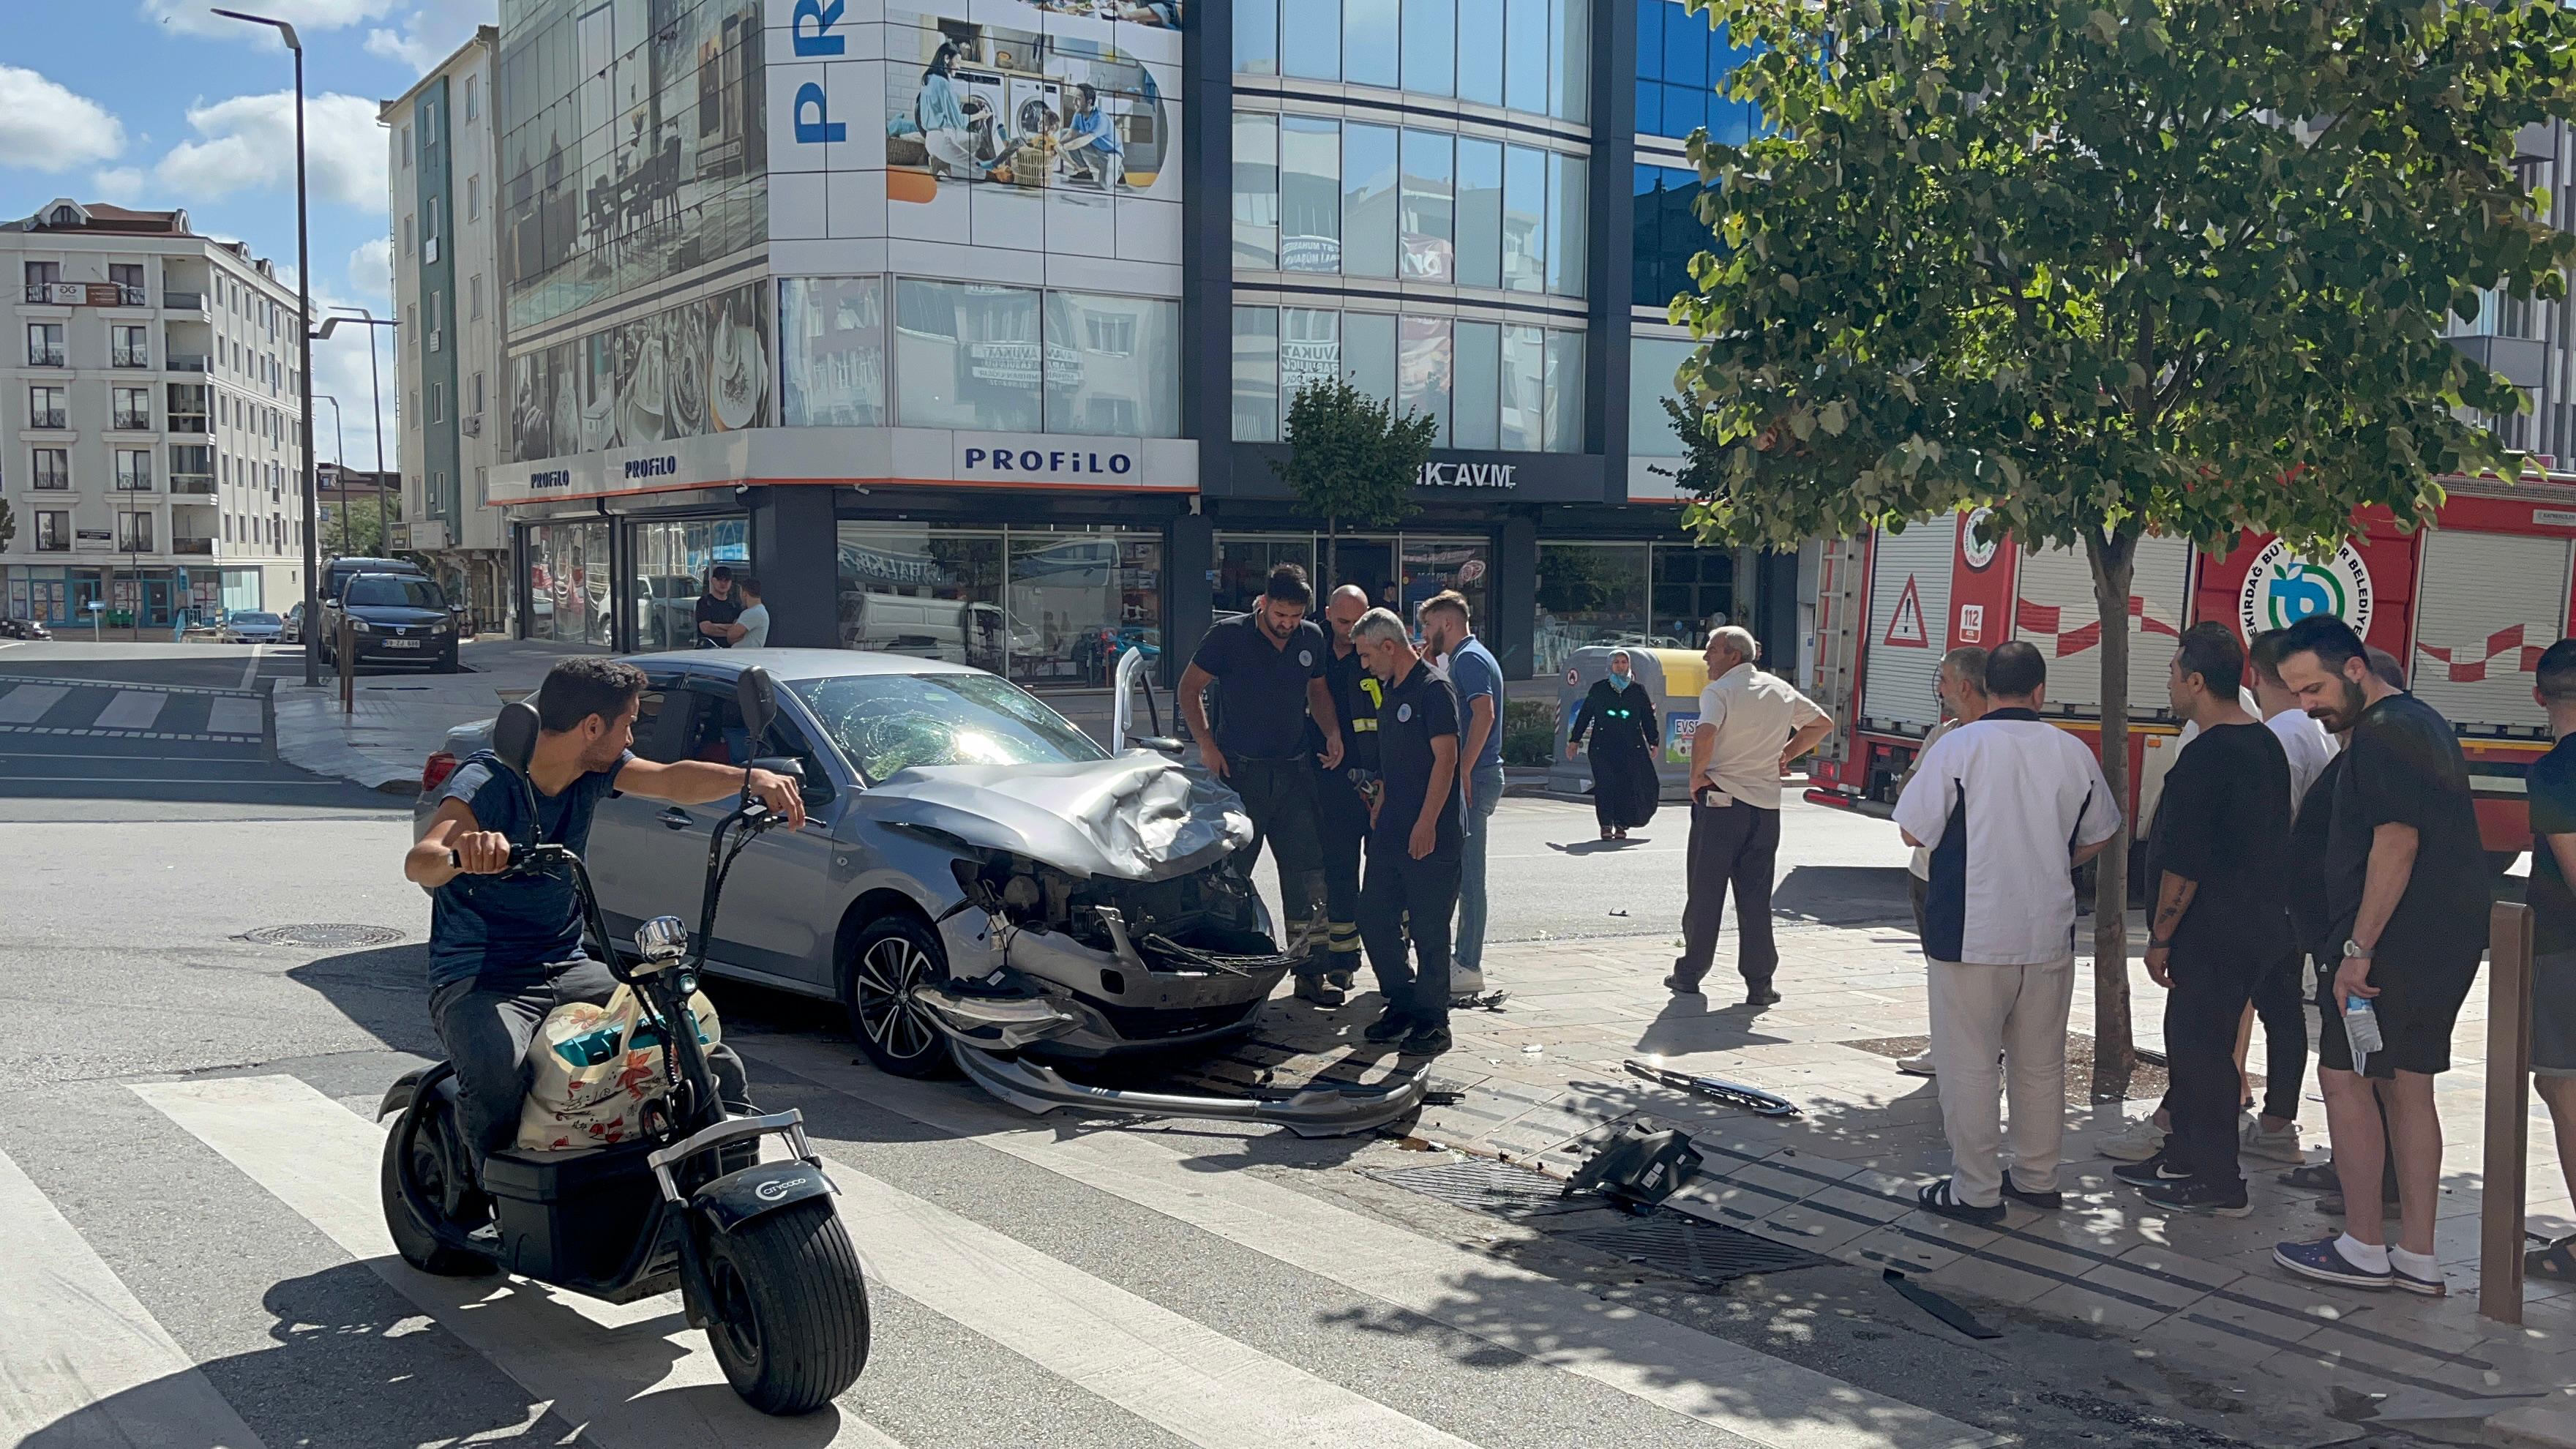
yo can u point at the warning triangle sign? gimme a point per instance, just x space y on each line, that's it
1905 627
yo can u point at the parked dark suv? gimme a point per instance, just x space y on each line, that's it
393 619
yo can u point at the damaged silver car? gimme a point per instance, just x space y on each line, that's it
980 885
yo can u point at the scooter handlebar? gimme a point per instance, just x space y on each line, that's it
522 858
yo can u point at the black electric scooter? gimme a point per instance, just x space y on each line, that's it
760 1257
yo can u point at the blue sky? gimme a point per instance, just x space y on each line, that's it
158 103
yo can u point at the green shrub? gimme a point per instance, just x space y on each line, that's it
1529 732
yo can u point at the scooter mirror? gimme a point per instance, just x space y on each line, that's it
662 938
514 735
757 698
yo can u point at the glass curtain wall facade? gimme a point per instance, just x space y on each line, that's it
1047 607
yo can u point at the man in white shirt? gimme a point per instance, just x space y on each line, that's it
2009 806
1961 683
750 628
1751 725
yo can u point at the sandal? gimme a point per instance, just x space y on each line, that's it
1620 834
1936 1198
1605 832
2555 1263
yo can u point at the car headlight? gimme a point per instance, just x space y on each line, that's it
357 626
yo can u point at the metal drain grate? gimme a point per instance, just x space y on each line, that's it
1490 1187
1689 1247
324 938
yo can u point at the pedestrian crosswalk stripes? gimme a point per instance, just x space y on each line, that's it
108 710
1160 1361
73 1341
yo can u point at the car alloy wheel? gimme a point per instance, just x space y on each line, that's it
893 955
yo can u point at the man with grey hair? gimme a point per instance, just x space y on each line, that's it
1416 837
1751 725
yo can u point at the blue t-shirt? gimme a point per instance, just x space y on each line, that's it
513 923
1472 671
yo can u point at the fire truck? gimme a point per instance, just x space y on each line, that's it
2467 603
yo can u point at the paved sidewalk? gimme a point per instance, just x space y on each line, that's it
401 717
1543 1073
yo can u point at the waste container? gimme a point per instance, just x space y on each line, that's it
1672 678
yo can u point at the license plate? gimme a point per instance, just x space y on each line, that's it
402 643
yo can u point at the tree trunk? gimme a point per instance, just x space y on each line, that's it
2114 561
1332 553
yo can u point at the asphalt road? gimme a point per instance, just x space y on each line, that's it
187 1192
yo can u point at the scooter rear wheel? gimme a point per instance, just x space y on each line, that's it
415 1242
788 1308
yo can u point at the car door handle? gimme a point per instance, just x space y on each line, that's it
675 817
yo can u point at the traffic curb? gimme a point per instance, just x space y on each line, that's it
2534 1426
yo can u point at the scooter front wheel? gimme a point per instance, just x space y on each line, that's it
787 1309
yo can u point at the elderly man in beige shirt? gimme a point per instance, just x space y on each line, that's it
1751 725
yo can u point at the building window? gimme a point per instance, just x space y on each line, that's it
1369 200
472 106
1476 419
1529 55
1524 388
53 470
474 297
53 531
1431 46
1564 426
404 138
478 392
1256 192
1370 46
969 355
1524 219
1428 219
41 275
1310 194
1310 353
437 395
1256 37
1113 365
1044 607
129 347
1488 386
429 232
44 344
407 244
1423 368
134 533
473 198
45 407
1652 362
1256 374
1568 185
1480 213
192 468
1368 353
1668 234
133 471
1310 33
133 408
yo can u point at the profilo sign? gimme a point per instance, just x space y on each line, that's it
1468 475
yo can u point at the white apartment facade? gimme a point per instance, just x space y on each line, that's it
148 411
445 182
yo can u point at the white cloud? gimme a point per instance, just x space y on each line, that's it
195 17
48 128
249 142
371 274
431 31
122 185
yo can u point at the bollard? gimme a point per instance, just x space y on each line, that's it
2508 1111
348 671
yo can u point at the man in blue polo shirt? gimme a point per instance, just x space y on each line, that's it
1478 682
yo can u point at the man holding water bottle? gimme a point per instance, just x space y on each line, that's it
2406 888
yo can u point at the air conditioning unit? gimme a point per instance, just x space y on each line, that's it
472 425
435 337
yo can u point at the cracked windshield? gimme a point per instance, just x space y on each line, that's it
891 722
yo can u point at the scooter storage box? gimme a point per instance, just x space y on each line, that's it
570 1216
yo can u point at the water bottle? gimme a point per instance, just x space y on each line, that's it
2361 1027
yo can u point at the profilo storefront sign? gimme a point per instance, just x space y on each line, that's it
864 457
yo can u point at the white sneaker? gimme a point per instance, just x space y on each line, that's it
2281 1146
1916 1066
2136 1142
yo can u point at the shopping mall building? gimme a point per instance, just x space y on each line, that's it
972 337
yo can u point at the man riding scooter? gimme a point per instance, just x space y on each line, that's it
506 949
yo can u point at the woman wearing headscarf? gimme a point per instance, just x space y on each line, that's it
1621 720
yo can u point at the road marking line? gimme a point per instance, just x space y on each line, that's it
628 1374
250 671
28 702
1742 1390
111 683
233 714
83 1356
132 709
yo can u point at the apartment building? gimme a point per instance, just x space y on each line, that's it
444 179
148 402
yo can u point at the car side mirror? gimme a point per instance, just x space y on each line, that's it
1164 743
514 735
757 697
781 765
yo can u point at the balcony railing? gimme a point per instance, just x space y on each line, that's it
133 482
40 291
53 482
186 362
188 423
131 422
130 357
192 545
177 301
44 417
192 485
44 356
132 296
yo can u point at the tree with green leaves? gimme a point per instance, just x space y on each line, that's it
2111 268
1350 456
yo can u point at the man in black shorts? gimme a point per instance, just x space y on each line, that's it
2553 940
2406 888
1268 669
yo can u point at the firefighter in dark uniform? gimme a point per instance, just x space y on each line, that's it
1342 801
1268 668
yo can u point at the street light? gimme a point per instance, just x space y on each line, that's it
371 321
304 336
340 455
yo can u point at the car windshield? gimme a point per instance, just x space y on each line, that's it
255 618
389 591
891 722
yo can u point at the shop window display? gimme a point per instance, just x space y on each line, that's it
1590 594
671 563
1046 608
570 574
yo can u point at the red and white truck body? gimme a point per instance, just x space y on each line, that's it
2468 603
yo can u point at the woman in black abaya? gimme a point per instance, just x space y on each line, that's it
1621 720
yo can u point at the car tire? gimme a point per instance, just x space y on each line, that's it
890 954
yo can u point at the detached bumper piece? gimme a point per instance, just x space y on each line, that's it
1320 1111
1735 1094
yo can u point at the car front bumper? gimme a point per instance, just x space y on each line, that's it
395 651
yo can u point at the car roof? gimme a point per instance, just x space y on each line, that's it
803 663
378 565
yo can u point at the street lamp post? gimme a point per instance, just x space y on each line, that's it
340 455
371 321
304 342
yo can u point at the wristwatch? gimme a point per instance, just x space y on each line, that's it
2160 943
2352 948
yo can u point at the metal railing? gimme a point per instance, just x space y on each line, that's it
130 357
44 417
53 482
192 545
132 296
188 423
192 485
132 422
178 301
44 356
186 362
128 482
40 291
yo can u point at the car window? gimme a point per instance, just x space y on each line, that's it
891 722
715 733
255 618
389 591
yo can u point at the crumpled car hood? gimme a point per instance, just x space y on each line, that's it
1140 816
